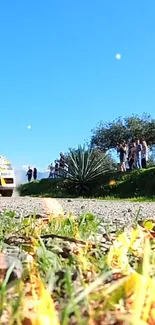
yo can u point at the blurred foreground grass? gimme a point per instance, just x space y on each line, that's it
69 270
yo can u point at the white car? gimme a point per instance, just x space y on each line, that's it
7 178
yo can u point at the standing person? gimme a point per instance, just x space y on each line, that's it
138 155
133 155
130 155
29 174
56 169
35 172
144 154
128 146
62 164
122 154
118 157
51 173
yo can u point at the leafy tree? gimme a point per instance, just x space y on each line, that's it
85 166
107 135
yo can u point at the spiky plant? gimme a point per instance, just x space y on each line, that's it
85 166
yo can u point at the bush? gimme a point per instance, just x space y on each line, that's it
46 187
127 185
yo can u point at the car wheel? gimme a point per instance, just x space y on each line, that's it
7 193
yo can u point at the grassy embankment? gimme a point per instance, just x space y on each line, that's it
135 186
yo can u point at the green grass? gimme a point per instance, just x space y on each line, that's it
63 263
133 199
137 186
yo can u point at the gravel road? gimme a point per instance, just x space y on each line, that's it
22 205
108 210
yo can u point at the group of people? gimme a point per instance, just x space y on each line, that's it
133 154
60 168
32 174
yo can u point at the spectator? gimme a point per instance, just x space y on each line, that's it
133 150
29 174
122 149
51 168
62 164
56 169
138 155
144 154
131 154
35 172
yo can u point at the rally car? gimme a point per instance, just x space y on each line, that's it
7 177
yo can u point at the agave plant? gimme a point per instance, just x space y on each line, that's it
85 166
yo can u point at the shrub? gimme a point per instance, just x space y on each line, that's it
85 167
45 187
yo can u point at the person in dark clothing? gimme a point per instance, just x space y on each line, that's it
51 173
138 154
62 164
56 169
29 174
132 155
122 150
35 173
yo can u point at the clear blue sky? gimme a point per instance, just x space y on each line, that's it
59 74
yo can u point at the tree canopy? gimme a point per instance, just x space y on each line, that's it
108 134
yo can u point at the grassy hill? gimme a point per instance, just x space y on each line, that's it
134 184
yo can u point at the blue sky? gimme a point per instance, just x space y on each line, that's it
59 73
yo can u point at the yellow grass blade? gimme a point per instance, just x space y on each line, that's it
39 307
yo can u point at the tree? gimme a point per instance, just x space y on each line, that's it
107 135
